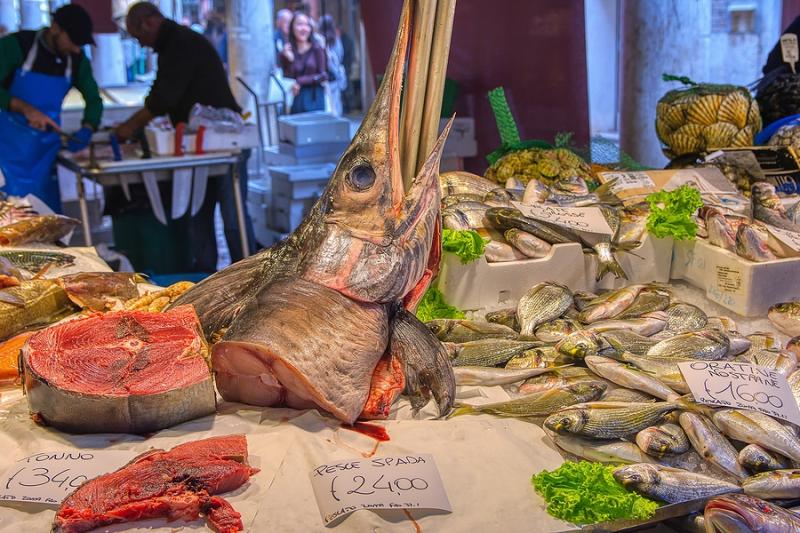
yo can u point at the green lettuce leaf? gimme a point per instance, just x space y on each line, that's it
466 244
671 213
587 493
433 306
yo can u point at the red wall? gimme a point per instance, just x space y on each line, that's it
534 48
100 11
791 9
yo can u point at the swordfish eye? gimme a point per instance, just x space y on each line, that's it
361 177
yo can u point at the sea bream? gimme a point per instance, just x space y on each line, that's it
306 322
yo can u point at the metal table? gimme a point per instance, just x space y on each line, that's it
110 172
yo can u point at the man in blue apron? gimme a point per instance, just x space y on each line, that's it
37 69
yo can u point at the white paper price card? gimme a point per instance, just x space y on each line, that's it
789 238
48 477
741 386
589 219
628 180
789 50
380 483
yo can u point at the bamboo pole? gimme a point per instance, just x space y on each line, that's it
437 70
416 86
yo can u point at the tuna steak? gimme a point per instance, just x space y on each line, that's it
123 372
175 484
306 323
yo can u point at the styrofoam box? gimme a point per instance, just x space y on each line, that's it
328 151
162 142
314 127
649 262
287 214
461 140
300 181
481 285
744 287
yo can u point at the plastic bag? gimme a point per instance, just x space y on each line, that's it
221 120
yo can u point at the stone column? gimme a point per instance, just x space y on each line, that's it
8 15
251 48
34 14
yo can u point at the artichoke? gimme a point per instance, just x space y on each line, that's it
705 116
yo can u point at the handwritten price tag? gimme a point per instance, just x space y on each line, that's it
47 478
741 386
404 482
628 180
789 50
589 219
789 238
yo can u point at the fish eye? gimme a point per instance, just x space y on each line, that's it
361 177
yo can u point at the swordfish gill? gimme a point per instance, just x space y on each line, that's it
320 320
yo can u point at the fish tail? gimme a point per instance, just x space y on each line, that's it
610 266
462 409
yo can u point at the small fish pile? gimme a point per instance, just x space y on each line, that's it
750 237
471 202
608 388
40 228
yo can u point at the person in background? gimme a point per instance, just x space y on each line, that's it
217 35
37 69
282 21
348 56
304 60
337 77
189 72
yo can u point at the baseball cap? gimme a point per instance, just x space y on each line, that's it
74 20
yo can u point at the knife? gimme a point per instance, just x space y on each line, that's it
126 189
199 188
154 195
181 191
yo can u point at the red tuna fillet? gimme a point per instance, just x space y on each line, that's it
175 484
125 372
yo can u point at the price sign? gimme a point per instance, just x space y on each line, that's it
789 238
589 219
628 180
403 482
789 50
48 477
741 386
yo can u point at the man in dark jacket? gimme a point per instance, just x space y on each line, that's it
190 72
37 69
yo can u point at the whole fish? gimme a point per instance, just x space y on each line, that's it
579 344
490 377
608 420
633 224
671 485
37 302
777 484
458 331
720 232
490 352
42 228
542 303
610 304
505 317
602 451
98 291
465 216
707 344
542 357
605 245
626 396
722 323
461 182
535 192
538 405
663 439
786 317
557 329
35 260
739 513
529 245
751 243
794 384
682 318
738 343
504 219
583 299
646 325
768 208
450 201
500 252
647 301
307 321
515 184
623 340
753 427
628 377
756 459
501 197
710 443
764 340
664 368
557 378
783 361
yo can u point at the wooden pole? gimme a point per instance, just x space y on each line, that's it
416 86
437 70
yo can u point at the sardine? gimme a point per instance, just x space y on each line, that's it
542 303
529 245
608 420
459 331
756 459
753 427
628 377
739 513
663 439
786 317
670 485
490 352
707 344
538 405
710 443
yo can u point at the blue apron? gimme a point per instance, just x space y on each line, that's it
27 155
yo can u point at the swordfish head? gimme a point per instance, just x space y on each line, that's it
377 237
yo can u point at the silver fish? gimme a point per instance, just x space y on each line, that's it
542 303
610 304
663 439
538 405
578 344
490 377
670 485
722 323
794 384
647 301
753 427
739 513
489 352
465 216
460 182
623 340
768 208
682 318
631 378
535 192
646 325
500 252
710 443
458 331
608 420
506 317
707 344
777 484
756 459
558 378
626 396
601 451
557 329
530 245
782 361
786 317
664 368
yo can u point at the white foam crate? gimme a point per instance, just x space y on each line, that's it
744 287
162 142
483 285
651 262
